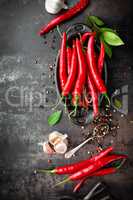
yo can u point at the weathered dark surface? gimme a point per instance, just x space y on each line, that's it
24 64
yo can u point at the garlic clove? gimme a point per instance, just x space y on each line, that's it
47 149
54 6
60 148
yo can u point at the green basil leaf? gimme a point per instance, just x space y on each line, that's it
95 20
112 38
105 29
108 49
117 103
54 118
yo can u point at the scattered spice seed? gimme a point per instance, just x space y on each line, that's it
51 67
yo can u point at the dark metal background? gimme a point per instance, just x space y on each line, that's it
24 62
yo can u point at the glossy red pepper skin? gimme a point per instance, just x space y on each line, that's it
69 169
87 171
80 82
72 76
101 172
63 63
94 95
80 6
93 68
101 58
86 35
93 92
69 58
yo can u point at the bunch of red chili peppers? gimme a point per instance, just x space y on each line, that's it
80 71
99 165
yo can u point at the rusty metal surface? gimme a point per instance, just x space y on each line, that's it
25 73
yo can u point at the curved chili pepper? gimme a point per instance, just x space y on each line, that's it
87 171
72 168
86 35
101 172
62 62
72 76
94 95
93 92
80 6
69 58
93 68
80 82
101 58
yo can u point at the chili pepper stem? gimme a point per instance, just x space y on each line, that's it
107 98
65 105
45 171
60 100
73 112
75 108
59 31
120 165
62 182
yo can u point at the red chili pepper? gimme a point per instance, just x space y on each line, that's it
86 35
101 58
69 58
62 62
87 171
80 82
78 185
80 6
94 94
93 68
101 172
72 76
72 168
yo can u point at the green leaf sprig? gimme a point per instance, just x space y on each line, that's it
109 36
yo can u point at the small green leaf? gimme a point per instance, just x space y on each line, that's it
108 49
105 29
95 20
112 38
54 118
117 103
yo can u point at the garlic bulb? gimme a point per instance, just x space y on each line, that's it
54 6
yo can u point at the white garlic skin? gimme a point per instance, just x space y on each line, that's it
54 6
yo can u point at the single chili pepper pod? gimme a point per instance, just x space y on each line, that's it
72 75
80 6
69 58
72 168
101 58
94 95
93 91
62 62
101 172
80 82
93 68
